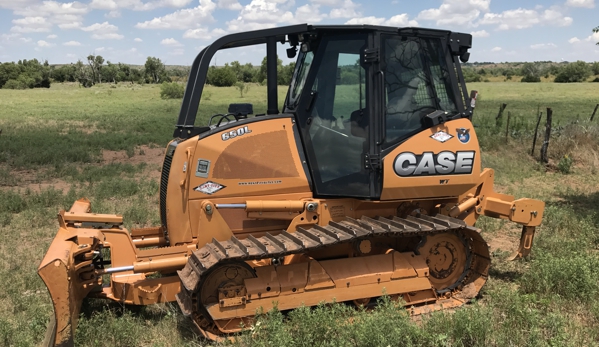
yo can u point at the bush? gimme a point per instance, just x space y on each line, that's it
531 79
574 72
565 164
171 90
14 84
221 77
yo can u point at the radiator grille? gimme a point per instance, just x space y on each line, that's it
166 169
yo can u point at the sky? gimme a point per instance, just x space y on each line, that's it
129 31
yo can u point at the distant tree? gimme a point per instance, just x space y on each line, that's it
95 63
285 73
65 73
470 75
221 76
531 72
595 68
110 72
85 75
574 72
8 71
596 30
155 70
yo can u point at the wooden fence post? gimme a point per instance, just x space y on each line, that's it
544 157
534 139
507 126
594 111
498 118
501 108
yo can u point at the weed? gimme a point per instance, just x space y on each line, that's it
565 164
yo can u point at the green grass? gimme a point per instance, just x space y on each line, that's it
51 154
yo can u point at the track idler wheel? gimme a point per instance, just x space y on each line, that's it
448 259
223 282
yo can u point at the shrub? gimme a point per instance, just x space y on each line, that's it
531 79
14 84
171 90
565 164
574 72
242 87
221 77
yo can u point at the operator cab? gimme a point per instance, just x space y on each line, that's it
357 92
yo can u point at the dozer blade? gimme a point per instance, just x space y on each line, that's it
68 272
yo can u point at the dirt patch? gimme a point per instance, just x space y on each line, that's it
153 157
503 243
142 154
30 179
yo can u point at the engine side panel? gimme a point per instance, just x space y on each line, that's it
441 161
252 159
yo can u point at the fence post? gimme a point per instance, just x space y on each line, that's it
501 108
534 139
544 157
498 118
507 126
594 111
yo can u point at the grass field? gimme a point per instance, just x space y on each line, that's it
106 143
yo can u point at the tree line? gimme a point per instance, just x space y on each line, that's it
564 72
36 74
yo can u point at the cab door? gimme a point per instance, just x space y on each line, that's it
333 113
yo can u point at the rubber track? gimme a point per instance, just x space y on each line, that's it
305 240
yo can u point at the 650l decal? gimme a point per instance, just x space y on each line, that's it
428 164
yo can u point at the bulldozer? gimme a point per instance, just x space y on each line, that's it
367 182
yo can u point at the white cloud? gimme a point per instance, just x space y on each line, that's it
581 3
99 49
496 49
203 33
42 43
25 39
40 17
72 43
480 33
456 12
523 18
49 8
31 25
543 45
113 14
260 14
309 14
230 5
73 25
52 36
593 38
137 39
400 20
182 19
574 40
330 3
346 9
170 42
103 31
136 5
